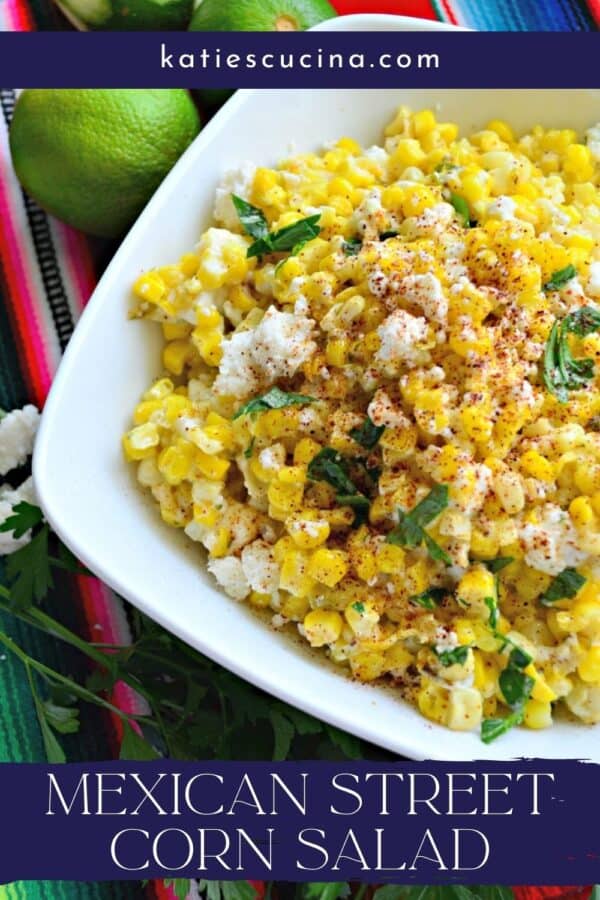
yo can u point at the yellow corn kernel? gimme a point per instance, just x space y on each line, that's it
160 389
485 673
336 352
175 462
502 129
175 355
150 286
465 631
144 410
141 441
285 497
208 318
363 618
365 563
433 700
475 585
408 152
390 559
292 474
294 576
589 666
261 601
484 545
209 345
294 607
282 547
173 331
581 512
537 714
399 443
212 467
476 423
307 532
219 543
328 566
206 514
534 464
579 163
220 429
174 406
305 450
465 709
398 659
322 626
241 298
541 689
423 122
367 665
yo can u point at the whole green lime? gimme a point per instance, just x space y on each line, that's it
128 15
93 158
260 15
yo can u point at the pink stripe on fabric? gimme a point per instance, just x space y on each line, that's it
78 261
108 625
17 16
29 310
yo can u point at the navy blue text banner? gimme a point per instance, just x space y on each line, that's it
531 821
299 60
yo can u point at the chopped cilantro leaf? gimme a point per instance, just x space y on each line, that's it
561 371
275 398
496 565
352 246
430 598
456 656
565 586
559 278
252 219
410 531
367 434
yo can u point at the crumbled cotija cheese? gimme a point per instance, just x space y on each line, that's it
257 357
399 334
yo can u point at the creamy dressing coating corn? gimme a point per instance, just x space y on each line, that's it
423 304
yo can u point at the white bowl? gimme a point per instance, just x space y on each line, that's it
88 492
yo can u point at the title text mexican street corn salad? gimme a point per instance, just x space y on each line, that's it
380 411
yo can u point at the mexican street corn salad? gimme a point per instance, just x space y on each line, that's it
380 411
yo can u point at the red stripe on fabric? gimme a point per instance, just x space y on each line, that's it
20 16
419 9
22 309
594 8
450 14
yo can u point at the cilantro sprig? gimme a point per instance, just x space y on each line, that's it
29 569
410 531
291 238
560 278
561 371
367 434
454 657
516 686
196 709
430 598
330 466
566 585
275 398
